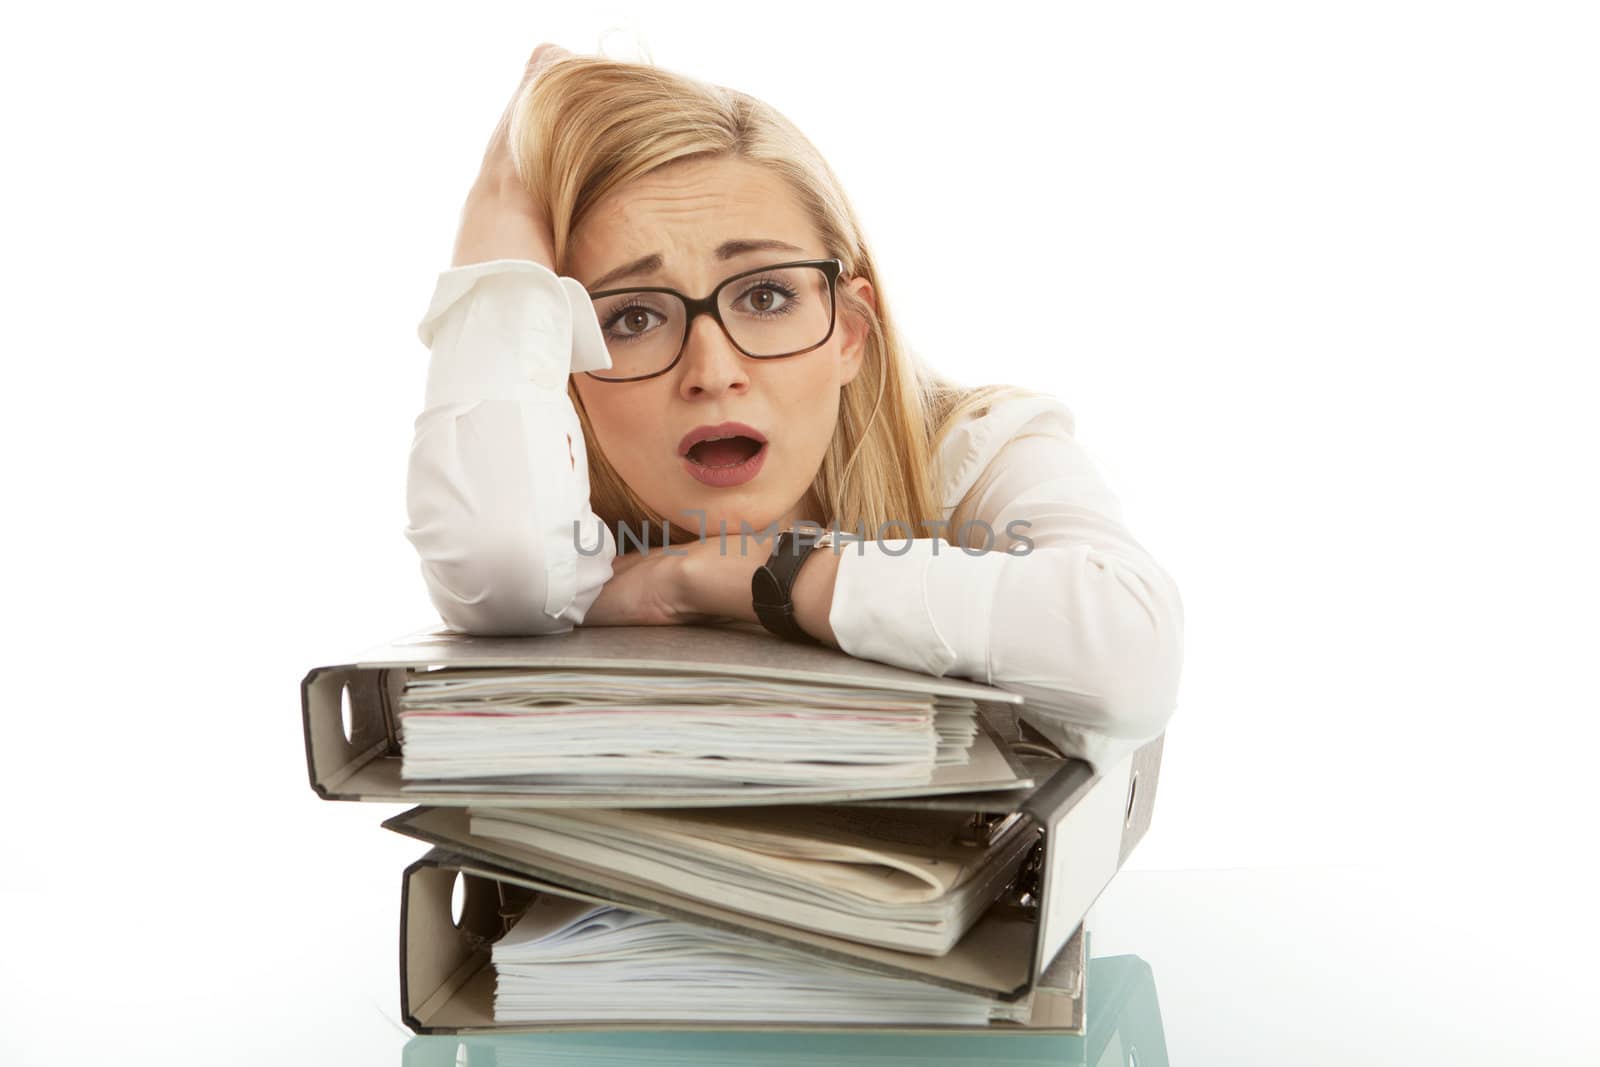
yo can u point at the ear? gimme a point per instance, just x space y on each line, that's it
854 326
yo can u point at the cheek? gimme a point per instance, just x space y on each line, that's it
625 420
808 413
819 412
815 392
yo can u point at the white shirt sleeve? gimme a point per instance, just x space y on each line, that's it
1086 626
498 476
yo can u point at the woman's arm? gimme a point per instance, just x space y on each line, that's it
1086 626
498 473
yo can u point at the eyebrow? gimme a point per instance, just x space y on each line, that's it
726 250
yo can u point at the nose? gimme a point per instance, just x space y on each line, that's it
711 365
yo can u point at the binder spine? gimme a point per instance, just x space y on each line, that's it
1141 805
341 742
438 955
1091 823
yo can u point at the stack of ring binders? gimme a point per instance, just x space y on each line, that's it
1064 828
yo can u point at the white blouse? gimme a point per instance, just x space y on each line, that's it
1086 626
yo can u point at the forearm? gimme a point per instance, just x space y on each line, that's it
1047 594
497 472
1086 635
502 223
491 502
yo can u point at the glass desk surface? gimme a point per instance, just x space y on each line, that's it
1302 966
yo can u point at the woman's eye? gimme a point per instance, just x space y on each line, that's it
631 322
763 299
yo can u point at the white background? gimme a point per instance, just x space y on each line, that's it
1318 280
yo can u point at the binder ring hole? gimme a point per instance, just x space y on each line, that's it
346 720
1133 797
458 899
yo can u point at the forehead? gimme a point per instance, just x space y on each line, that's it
683 212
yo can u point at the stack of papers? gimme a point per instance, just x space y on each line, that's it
561 730
568 960
912 881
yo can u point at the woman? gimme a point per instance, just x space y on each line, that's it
570 398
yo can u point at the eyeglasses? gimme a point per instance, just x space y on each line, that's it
768 313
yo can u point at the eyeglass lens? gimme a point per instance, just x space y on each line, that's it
772 313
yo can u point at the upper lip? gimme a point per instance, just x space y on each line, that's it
721 429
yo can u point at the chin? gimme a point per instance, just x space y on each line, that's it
727 512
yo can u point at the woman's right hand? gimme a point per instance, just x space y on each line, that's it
501 219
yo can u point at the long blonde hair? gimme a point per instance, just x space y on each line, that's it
589 125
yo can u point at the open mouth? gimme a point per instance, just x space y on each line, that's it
725 451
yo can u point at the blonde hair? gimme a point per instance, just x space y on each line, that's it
589 125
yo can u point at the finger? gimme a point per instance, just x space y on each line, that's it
541 58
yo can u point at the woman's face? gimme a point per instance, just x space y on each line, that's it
683 213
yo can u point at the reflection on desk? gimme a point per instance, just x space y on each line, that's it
1123 1015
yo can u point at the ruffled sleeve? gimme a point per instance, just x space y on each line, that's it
497 487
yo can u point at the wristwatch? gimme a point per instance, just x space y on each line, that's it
772 583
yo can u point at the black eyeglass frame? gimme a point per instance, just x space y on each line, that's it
707 305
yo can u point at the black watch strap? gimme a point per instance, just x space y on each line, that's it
773 582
